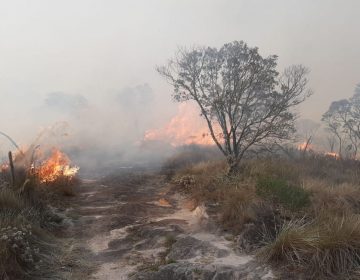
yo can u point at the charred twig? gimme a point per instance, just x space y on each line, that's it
307 144
24 185
12 169
32 160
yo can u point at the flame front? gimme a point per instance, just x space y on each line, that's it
332 154
187 127
4 167
56 166
304 146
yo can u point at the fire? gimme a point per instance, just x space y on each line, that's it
4 167
304 146
334 155
187 127
56 166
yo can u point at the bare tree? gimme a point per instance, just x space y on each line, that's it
239 91
331 142
342 119
306 133
333 121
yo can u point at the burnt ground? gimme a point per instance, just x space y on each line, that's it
133 226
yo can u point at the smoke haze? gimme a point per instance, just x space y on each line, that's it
88 66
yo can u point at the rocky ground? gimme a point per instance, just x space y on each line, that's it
133 226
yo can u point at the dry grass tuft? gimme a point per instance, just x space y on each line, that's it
10 200
62 185
325 248
266 203
204 180
207 182
27 248
188 156
335 199
239 207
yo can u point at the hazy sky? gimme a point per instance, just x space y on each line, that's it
93 48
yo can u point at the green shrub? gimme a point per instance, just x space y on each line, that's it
291 196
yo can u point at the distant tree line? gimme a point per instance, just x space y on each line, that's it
342 121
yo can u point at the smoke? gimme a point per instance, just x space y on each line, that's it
73 71
67 103
99 134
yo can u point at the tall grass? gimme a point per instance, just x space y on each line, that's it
10 200
238 208
303 213
28 249
325 248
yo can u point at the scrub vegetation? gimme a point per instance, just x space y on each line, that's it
299 214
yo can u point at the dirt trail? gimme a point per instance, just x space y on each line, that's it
135 228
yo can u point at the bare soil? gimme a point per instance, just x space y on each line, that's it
132 225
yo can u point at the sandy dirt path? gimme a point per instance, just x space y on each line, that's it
105 210
135 227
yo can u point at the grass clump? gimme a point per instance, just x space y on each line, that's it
325 248
301 214
26 250
188 156
238 208
10 200
291 196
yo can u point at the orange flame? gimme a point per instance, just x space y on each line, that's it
334 155
4 167
56 166
304 146
187 127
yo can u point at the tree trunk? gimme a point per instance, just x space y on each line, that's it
340 148
233 166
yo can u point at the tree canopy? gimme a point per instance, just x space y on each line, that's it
342 119
240 92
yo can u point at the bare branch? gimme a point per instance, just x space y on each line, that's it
240 92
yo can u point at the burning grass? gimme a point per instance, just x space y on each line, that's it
56 167
49 173
300 214
28 249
